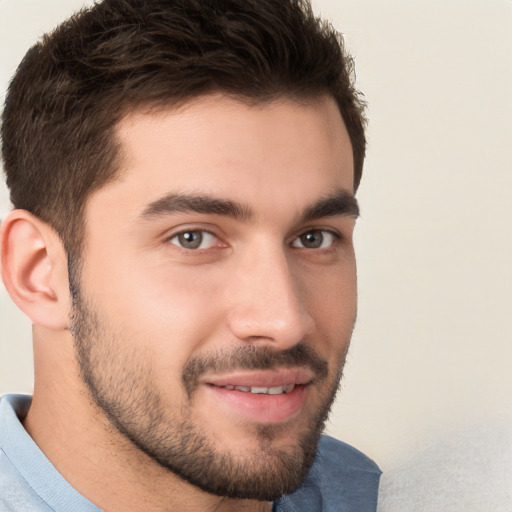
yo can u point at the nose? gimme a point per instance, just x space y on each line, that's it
266 303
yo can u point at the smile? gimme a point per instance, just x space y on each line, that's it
261 396
258 390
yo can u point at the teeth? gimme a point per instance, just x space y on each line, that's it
289 388
258 390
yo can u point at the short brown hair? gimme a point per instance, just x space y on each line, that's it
75 85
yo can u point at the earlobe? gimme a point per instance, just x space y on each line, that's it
34 269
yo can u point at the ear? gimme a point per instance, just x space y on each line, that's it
34 269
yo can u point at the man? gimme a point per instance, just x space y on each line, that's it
183 175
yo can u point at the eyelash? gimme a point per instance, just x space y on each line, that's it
334 238
333 235
202 232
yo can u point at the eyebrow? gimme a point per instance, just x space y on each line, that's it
340 203
173 203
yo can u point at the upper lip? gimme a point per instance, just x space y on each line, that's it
261 378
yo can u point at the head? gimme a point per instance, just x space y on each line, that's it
75 85
198 161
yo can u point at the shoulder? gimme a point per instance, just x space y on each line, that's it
18 404
337 455
342 479
15 492
12 407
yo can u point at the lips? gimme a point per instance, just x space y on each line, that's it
261 378
266 397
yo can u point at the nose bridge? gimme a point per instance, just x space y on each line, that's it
267 303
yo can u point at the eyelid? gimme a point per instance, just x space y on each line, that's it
337 236
206 239
177 231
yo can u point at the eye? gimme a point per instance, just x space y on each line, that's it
315 239
194 239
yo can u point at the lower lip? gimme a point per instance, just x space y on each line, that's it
261 408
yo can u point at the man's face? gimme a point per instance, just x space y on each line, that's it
217 291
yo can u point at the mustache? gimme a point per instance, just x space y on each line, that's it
252 358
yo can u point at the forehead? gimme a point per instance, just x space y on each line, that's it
276 153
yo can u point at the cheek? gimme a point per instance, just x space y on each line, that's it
331 289
331 299
160 313
340 302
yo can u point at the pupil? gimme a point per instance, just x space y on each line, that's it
313 239
191 239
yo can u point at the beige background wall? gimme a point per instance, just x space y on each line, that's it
428 386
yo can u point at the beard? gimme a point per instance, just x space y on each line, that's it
121 384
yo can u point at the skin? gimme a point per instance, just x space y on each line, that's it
252 284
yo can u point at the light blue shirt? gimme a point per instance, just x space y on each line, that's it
341 479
